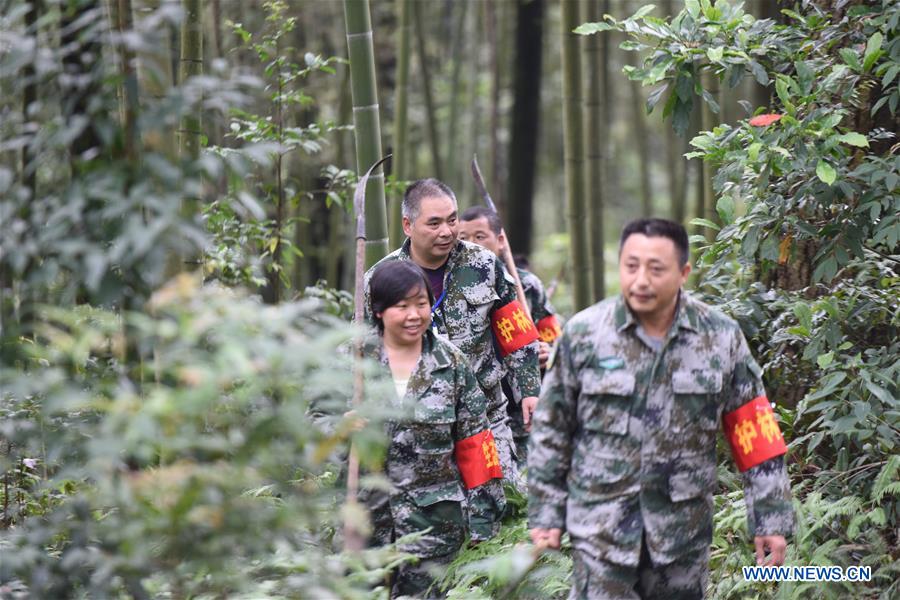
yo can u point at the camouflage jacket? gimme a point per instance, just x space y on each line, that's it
446 405
624 440
476 286
538 303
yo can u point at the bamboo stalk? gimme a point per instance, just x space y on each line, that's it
595 142
191 66
366 123
434 141
573 135
400 150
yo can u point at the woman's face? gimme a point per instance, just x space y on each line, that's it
406 321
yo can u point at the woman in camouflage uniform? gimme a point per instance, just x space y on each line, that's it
441 460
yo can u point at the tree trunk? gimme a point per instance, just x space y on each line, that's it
573 136
433 140
493 39
80 63
191 66
217 28
29 96
523 143
706 200
155 79
595 146
639 128
366 123
468 186
123 16
401 146
455 163
675 161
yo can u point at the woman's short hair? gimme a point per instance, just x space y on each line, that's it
393 281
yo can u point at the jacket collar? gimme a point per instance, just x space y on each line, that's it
685 314
451 259
434 355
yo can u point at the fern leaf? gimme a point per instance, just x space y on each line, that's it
886 477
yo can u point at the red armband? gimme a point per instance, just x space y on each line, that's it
512 328
548 328
477 459
753 434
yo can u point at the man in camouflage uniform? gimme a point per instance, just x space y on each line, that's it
481 225
623 448
476 307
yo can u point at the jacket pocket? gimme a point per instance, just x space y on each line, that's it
697 395
605 402
480 298
441 492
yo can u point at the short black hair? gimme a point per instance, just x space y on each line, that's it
423 188
653 227
393 281
476 212
522 261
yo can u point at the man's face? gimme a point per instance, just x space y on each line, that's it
479 232
651 274
433 233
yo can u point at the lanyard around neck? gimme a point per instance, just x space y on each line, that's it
440 301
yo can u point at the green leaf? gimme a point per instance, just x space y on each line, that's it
886 476
781 88
890 75
591 28
804 314
644 10
715 54
854 139
850 57
873 51
705 223
725 208
825 172
693 8
826 270
753 151
759 72
825 359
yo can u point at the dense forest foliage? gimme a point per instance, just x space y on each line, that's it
176 261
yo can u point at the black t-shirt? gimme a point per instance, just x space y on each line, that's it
436 279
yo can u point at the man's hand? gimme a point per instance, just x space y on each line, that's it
774 544
546 538
543 354
354 422
528 406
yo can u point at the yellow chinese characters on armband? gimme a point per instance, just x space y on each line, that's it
753 434
477 459
512 328
549 329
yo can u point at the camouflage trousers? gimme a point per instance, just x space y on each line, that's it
595 578
503 439
520 436
393 518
